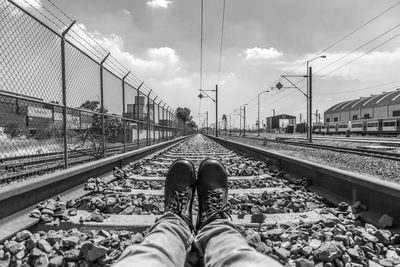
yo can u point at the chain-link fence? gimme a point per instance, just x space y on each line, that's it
61 106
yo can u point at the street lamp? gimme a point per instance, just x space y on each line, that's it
258 121
309 98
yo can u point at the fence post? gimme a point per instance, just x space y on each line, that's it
154 119
165 119
137 118
123 109
172 124
158 124
103 130
64 93
148 120
169 123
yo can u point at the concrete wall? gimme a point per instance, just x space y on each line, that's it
355 112
345 116
335 115
381 112
393 108
367 111
327 116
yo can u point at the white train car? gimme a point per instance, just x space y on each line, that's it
389 125
343 126
357 126
372 126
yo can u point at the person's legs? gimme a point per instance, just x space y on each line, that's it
222 245
170 239
218 241
167 244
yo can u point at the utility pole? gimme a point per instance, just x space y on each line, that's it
310 104
216 104
207 121
244 120
308 95
230 122
258 121
216 110
240 120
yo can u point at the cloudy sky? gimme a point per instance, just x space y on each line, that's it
159 40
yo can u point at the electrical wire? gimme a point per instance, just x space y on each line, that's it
221 43
349 53
345 37
359 28
201 45
357 58
358 48
363 88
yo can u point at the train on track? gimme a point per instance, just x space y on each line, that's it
383 126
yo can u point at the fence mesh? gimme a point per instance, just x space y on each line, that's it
59 107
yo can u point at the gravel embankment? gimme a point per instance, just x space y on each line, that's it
388 170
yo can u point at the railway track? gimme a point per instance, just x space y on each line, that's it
357 151
20 167
270 205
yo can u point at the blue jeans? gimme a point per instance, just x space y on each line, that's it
170 240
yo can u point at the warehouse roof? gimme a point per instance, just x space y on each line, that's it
283 116
383 99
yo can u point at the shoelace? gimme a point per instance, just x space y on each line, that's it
179 201
215 207
178 204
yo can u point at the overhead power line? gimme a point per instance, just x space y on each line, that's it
364 88
359 28
358 48
345 37
201 45
357 58
349 53
221 43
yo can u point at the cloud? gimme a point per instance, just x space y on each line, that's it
26 4
161 62
261 53
126 12
166 53
158 3
363 68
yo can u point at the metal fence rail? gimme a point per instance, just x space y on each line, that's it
66 101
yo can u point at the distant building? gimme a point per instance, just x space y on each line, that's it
384 105
279 122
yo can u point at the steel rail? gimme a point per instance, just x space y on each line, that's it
358 151
335 185
36 165
17 200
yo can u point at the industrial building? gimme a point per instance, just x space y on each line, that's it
384 105
280 122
